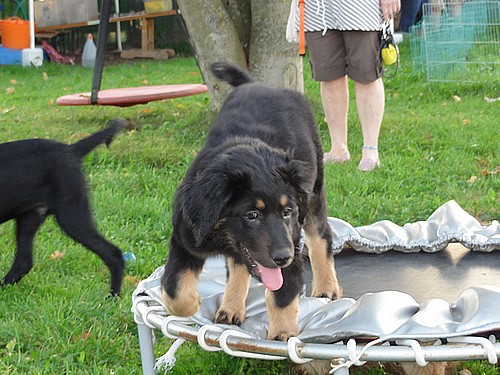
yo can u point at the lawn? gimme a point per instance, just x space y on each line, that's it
438 142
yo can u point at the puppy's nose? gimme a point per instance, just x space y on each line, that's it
282 257
283 261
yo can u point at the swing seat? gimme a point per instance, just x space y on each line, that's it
125 97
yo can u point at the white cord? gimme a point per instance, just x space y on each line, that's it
417 348
147 311
172 318
201 337
137 314
484 342
292 350
353 357
167 361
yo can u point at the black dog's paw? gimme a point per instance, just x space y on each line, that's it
226 317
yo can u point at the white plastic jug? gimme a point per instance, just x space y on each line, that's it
89 52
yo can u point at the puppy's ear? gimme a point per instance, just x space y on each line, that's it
203 199
298 174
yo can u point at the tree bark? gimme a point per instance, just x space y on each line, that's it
249 33
214 38
272 59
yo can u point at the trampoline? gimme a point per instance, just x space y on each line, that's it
123 97
434 282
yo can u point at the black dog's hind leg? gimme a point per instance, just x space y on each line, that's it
75 219
179 282
283 304
26 227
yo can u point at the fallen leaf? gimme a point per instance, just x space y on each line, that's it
13 81
456 98
145 82
487 172
132 280
7 110
495 170
56 255
11 346
10 90
466 121
472 179
85 335
45 76
51 102
491 100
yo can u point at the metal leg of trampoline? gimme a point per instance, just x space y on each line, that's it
146 347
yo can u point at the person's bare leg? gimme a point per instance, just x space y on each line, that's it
335 99
370 101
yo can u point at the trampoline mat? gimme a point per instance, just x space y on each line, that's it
443 274
437 278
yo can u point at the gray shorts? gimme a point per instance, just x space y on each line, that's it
337 53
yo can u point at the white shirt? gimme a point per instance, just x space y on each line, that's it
321 15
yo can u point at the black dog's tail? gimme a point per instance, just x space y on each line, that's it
105 136
230 73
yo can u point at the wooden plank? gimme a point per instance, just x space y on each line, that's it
121 18
149 25
157 54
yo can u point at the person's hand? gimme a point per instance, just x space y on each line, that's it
390 8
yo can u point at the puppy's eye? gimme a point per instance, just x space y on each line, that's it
287 212
252 215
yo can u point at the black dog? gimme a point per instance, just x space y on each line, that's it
42 177
257 182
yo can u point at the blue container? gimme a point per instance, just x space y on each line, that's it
10 56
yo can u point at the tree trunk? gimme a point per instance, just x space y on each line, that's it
214 38
272 59
249 33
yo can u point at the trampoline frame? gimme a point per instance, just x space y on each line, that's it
448 224
149 316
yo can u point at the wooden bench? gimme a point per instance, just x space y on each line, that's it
147 33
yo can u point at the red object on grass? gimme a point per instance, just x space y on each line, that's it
129 96
56 56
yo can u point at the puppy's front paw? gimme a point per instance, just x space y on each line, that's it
183 305
325 284
227 316
334 293
281 335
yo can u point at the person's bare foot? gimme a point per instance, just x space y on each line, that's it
329 157
369 160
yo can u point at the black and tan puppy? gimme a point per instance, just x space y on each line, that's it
41 177
257 182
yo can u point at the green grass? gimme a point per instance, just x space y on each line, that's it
58 319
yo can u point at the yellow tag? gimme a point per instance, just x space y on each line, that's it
389 55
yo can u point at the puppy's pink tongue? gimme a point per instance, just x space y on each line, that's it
271 277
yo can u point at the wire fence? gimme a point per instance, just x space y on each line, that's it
457 41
